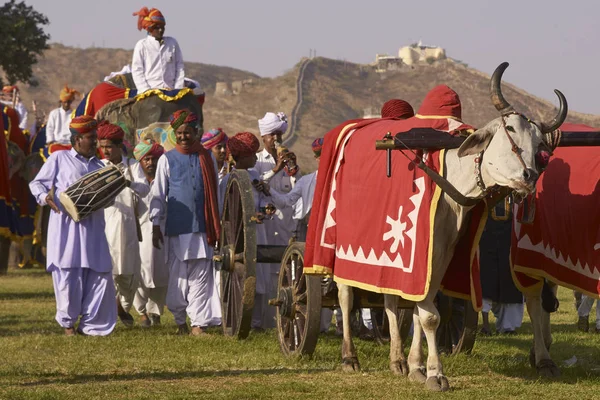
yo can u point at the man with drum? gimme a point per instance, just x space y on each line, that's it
122 225
77 254
151 295
185 194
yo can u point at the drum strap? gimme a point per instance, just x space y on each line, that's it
134 204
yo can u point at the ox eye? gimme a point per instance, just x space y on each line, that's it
510 128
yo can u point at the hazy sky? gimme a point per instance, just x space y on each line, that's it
549 44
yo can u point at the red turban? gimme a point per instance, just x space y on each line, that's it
213 137
181 117
148 18
317 146
441 101
108 131
397 108
242 145
82 124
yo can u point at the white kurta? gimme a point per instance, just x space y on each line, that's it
300 197
280 229
121 232
157 66
57 128
154 271
21 110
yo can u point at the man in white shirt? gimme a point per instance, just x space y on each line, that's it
8 92
122 227
272 167
151 295
157 60
57 128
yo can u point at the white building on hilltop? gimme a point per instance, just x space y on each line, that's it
417 52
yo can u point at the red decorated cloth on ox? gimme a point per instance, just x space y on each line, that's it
555 234
377 233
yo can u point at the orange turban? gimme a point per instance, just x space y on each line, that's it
67 94
149 18
9 89
83 124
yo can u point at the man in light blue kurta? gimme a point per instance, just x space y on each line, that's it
184 194
77 252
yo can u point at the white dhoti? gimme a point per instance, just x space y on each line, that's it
151 295
191 282
215 299
509 316
91 294
122 237
150 300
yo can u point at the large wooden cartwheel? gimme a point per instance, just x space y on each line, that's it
236 257
298 304
458 325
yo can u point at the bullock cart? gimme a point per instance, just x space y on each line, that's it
301 297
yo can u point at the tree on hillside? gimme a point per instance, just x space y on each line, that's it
22 40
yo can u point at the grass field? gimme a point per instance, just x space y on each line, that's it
38 362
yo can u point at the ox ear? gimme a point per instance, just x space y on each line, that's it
476 142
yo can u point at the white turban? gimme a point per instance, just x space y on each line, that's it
272 122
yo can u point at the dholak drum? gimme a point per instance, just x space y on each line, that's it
92 192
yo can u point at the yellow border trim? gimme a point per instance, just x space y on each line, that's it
343 132
463 296
372 288
437 117
87 103
474 250
318 270
157 92
534 273
523 289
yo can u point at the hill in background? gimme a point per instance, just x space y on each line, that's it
332 91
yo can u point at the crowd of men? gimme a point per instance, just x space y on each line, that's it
153 245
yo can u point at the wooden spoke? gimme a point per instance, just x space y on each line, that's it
237 232
298 320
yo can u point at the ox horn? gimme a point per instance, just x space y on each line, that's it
496 92
560 117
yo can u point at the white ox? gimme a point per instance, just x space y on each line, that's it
509 145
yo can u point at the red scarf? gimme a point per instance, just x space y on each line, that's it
211 207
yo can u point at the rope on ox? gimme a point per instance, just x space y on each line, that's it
442 182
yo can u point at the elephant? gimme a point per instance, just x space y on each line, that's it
139 112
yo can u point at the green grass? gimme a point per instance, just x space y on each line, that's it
38 362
